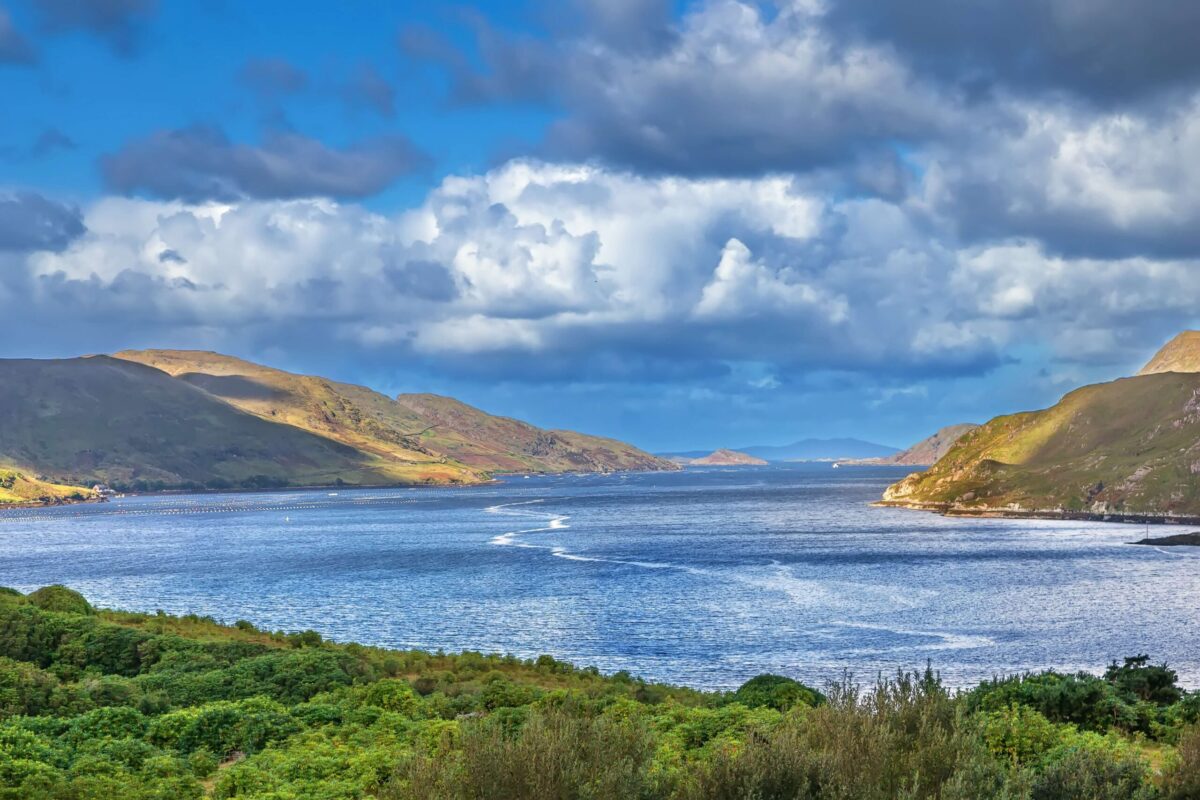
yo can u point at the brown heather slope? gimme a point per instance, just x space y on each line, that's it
502 444
424 431
1125 449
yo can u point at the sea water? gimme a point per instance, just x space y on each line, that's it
704 577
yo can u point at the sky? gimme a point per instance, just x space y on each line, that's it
684 224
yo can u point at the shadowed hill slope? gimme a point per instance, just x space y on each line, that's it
105 419
925 452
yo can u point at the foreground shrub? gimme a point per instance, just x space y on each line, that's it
554 756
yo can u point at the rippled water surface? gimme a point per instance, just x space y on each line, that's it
704 577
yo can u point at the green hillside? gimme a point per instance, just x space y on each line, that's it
1129 447
100 419
108 705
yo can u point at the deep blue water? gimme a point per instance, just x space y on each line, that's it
704 577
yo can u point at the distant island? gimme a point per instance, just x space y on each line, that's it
726 458
801 450
152 420
1128 450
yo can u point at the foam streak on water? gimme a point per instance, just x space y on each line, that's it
704 577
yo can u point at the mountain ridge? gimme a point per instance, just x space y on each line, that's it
172 419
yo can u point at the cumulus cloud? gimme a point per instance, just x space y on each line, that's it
587 270
118 22
201 163
1114 184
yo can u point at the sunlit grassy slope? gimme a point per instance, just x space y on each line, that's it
16 488
1131 446
1181 354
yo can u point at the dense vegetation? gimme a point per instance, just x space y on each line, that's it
105 704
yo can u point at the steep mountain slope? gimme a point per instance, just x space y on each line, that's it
494 443
92 419
1181 354
925 452
413 429
727 458
1129 447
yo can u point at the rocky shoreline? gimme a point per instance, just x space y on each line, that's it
950 510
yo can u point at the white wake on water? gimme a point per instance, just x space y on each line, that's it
557 522
780 579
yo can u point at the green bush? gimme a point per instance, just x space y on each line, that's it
60 599
777 692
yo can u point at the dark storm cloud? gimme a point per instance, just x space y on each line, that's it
1105 50
29 221
14 47
201 163
272 77
118 22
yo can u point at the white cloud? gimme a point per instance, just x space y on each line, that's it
574 262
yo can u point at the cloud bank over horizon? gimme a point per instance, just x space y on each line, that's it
803 216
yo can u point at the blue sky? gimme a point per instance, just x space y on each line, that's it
686 224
